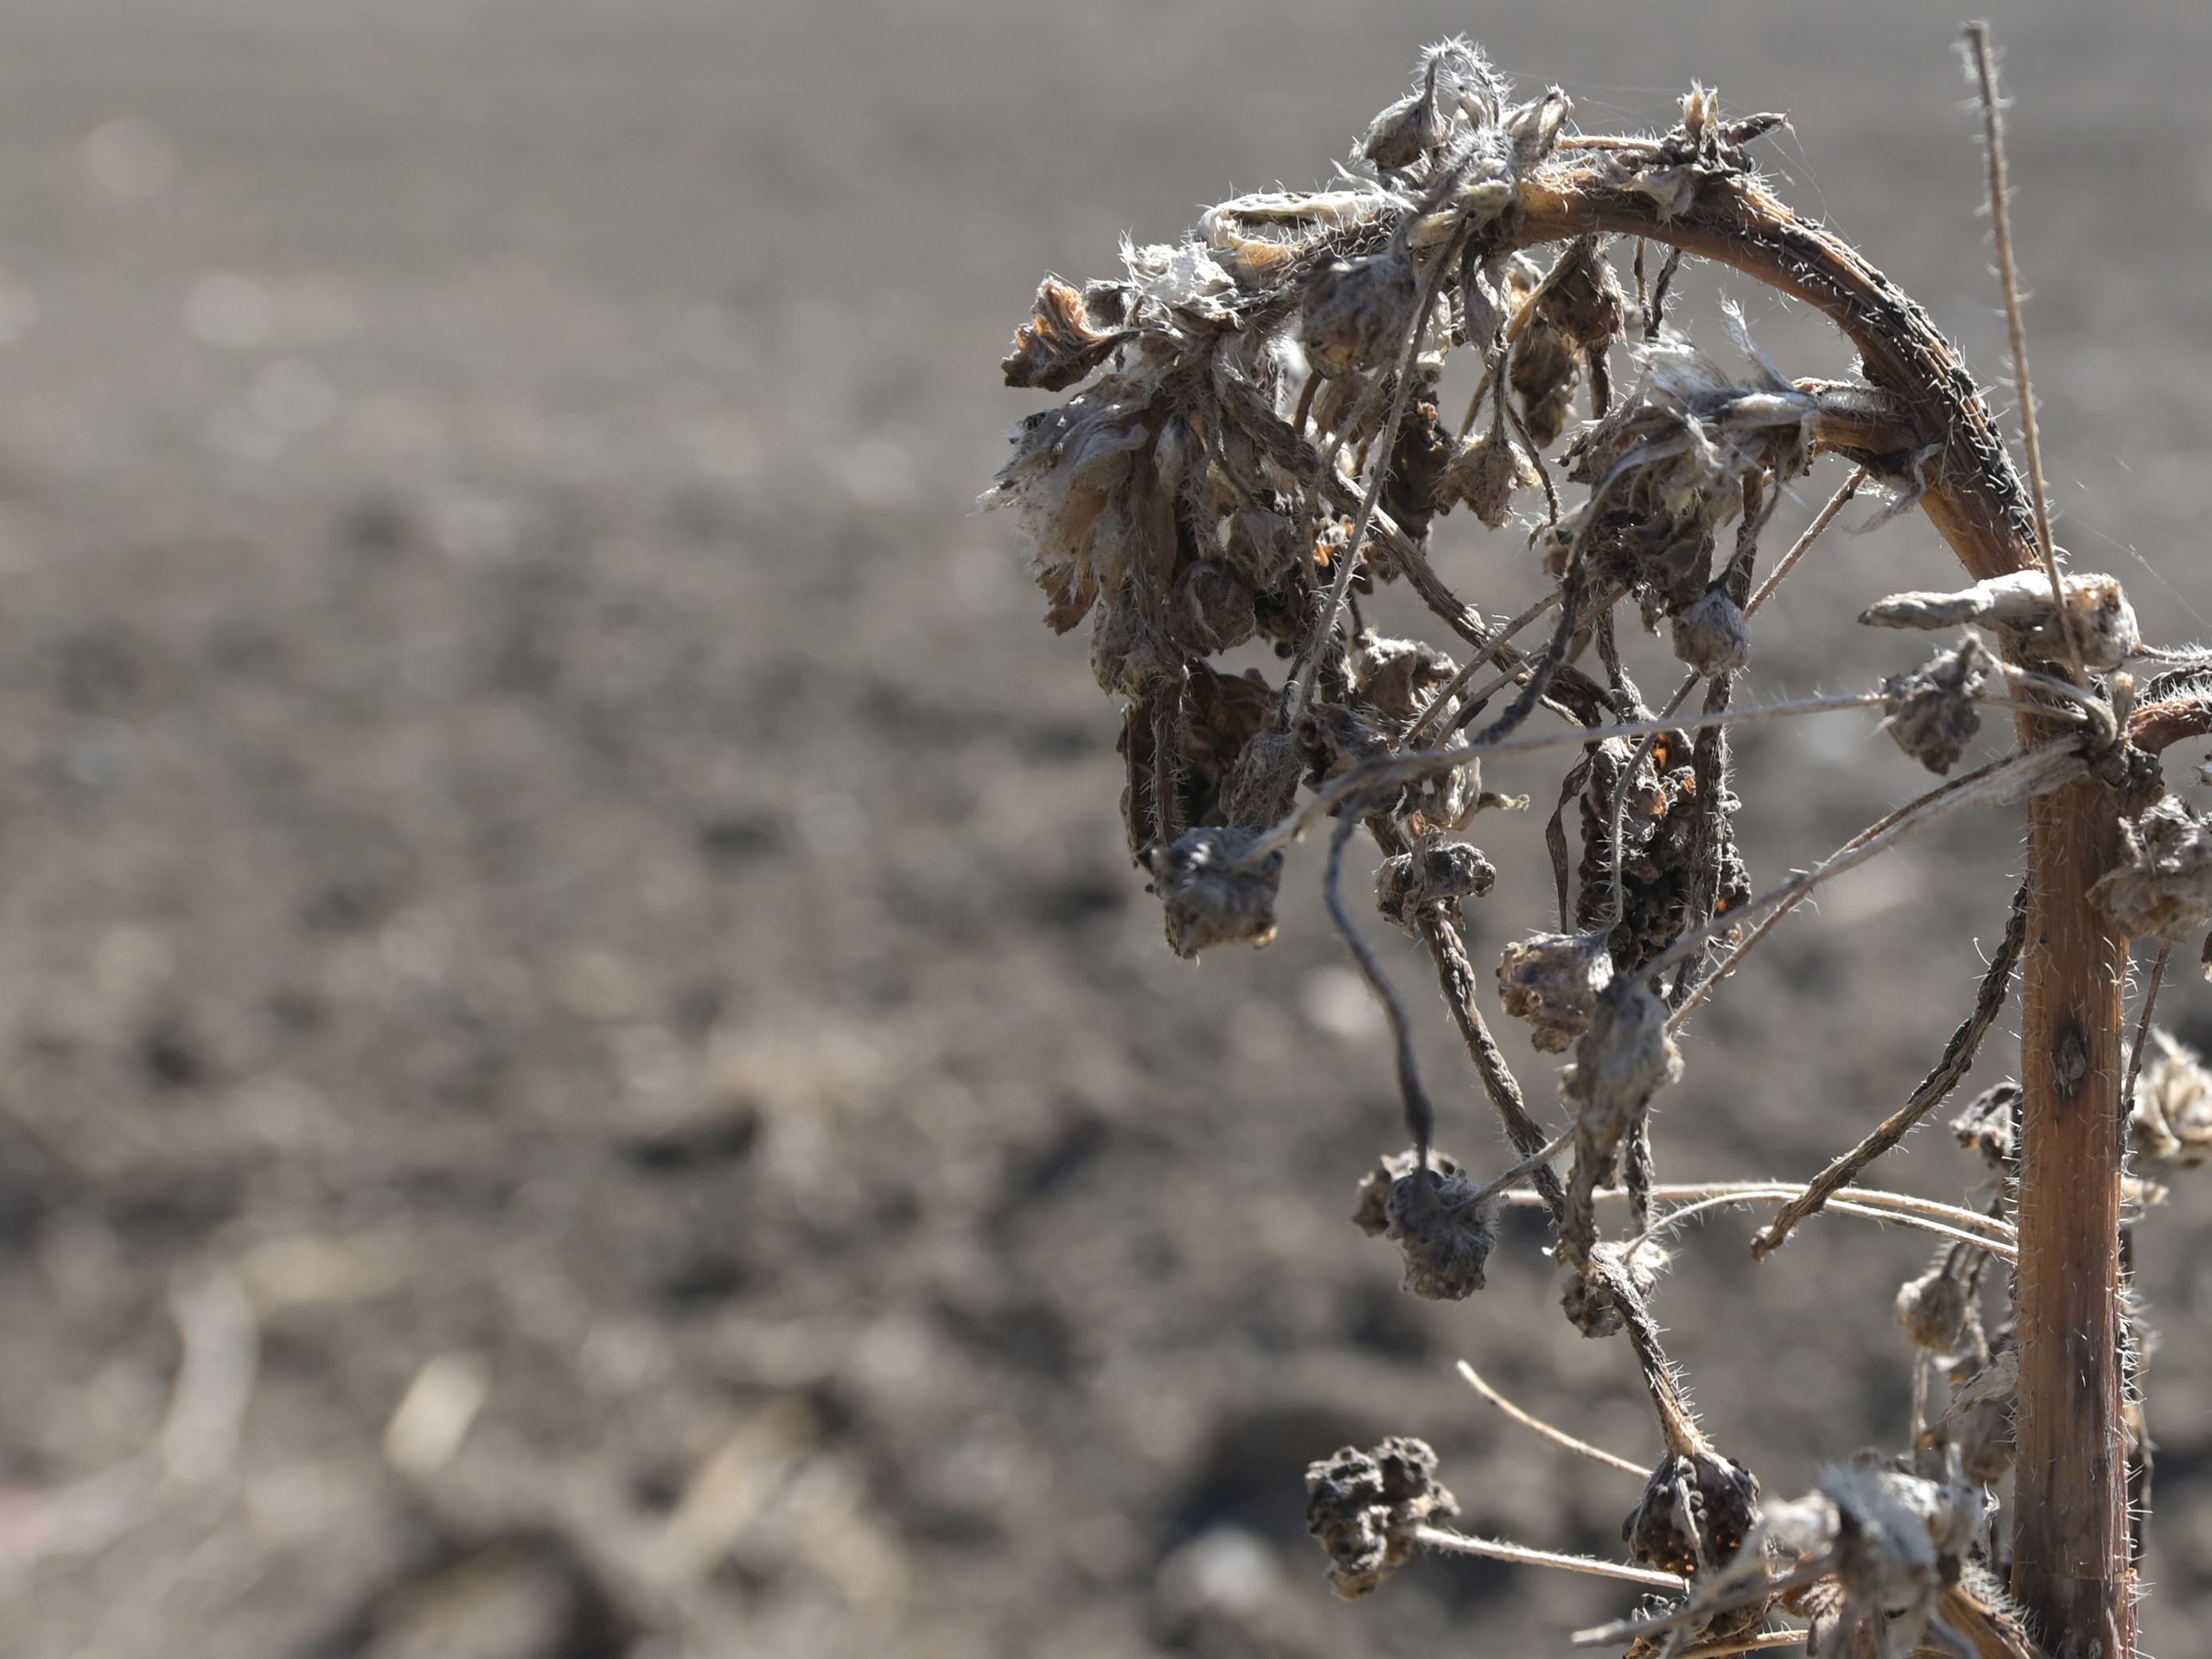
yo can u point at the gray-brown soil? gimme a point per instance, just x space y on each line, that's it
547 864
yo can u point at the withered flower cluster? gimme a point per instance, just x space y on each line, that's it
1254 438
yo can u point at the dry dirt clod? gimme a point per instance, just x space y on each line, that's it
1364 1507
1208 899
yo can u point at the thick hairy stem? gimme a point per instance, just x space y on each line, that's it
2070 1535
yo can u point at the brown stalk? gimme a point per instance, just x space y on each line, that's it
2070 1533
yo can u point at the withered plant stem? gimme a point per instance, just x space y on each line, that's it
1455 978
1420 1112
1543 1431
1458 1543
1976 36
2143 1020
1957 1060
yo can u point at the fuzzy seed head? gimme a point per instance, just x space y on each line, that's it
1932 1309
1931 710
1438 871
1485 474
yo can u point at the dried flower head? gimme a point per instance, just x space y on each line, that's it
1357 312
1713 636
1930 709
1437 871
1062 343
1209 899
1552 981
2171 1122
1990 1125
1932 1308
1978 1425
1366 1506
2163 885
1588 1299
1623 1057
1897 1541
1439 1217
1697 1510
1484 473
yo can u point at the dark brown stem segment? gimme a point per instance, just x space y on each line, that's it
2070 1534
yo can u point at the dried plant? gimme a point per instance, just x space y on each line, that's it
1256 437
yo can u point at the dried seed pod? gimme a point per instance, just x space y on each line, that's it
1062 343
1215 609
1261 787
1899 1541
1625 1056
2164 885
1713 637
1977 1427
1552 981
1358 312
1420 458
2170 1122
1364 1508
1931 710
1697 1510
1444 1229
1933 1309
1990 1125
1544 371
1398 676
1438 871
1486 473
1208 900
1588 1300
1406 131
1265 548
2019 603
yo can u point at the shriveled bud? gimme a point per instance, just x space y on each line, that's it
1438 871
1264 782
1552 981
1697 1510
1978 1424
1399 677
1486 473
2019 603
1062 343
1933 1310
1931 710
1545 370
1403 134
1625 1057
2164 885
1364 1507
1436 1217
1208 899
2171 1120
1990 1126
1358 312
1588 1302
1713 637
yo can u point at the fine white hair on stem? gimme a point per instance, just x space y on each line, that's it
1458 1543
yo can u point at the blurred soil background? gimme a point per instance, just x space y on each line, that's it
583 1071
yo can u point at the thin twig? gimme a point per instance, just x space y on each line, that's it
2044 767
1821 521
1976 36
1420 1113
1455 978
1458 1543
1559 1437
1489 652
1900 1216
1957 1060
2142 1021
1868 1199
1627 1630
1511 1177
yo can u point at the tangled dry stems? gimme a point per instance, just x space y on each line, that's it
1254 441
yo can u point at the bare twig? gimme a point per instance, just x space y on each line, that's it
1457 1543
1957 1058
1542 1430
1977 37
